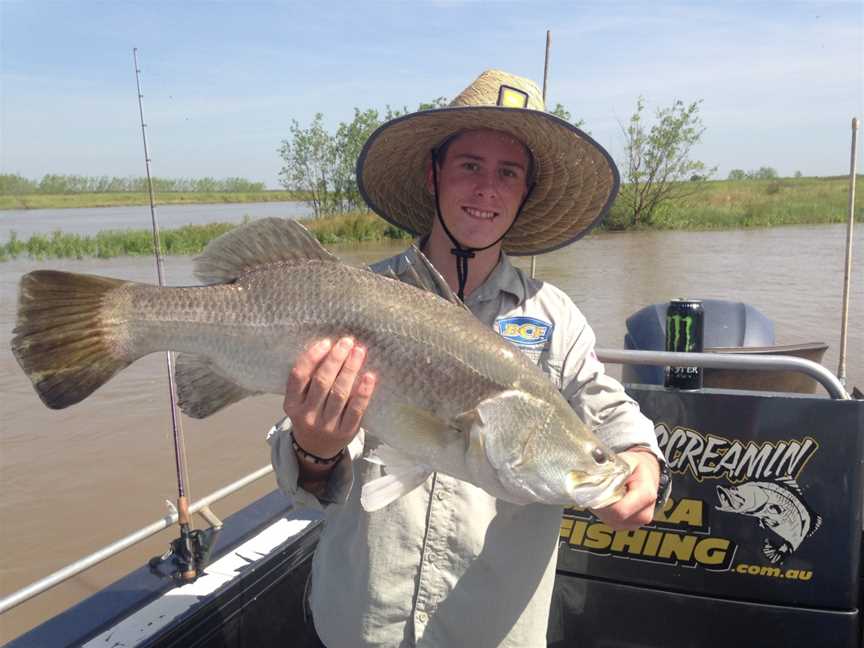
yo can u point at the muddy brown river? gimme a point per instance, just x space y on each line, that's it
75 480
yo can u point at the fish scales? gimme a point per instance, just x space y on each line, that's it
290 308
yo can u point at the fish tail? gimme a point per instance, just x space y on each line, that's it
63 338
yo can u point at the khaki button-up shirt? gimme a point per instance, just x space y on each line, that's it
447 564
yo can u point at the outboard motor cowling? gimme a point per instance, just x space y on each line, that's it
727 324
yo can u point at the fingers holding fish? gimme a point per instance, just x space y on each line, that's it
356 406
300 375
324 399
325 378
342 391
636 508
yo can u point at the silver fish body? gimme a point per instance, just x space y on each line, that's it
451 394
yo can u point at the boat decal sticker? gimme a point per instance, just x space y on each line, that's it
742 498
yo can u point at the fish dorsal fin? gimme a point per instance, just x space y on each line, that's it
791 484
389 273
259 243
817 522
425 276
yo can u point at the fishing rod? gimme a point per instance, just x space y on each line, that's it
545 76
844 318
191 550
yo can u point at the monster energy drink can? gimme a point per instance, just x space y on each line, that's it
685 321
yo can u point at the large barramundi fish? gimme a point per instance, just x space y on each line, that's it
451 396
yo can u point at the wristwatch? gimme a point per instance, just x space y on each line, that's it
664 487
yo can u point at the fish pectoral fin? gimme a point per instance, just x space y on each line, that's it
260 243
426 277
404 474
200 390
774 553
421 427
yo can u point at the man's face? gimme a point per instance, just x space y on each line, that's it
481 183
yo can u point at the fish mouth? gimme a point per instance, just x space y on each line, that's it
480 214
601 490
727 499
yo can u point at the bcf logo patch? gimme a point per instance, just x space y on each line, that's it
525 331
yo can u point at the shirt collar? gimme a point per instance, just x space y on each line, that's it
503 278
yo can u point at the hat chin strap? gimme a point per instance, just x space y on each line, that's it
463 252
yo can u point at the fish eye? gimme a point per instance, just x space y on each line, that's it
599 456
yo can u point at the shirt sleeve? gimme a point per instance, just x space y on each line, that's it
600 400
284 461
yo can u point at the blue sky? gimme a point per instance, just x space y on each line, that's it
780 81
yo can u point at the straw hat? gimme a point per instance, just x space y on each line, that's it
576 179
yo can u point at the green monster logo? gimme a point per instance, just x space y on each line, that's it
673 332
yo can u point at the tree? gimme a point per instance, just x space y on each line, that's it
438 102
12 183
764 173
310 164
322 165
737 174
658 160
349 142
560 111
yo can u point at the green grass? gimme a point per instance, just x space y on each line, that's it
189 240
61 201
729 204
354 228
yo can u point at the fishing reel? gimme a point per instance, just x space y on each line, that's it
188 555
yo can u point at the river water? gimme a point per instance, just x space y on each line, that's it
87 221
77 479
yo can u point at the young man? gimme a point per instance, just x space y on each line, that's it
447 564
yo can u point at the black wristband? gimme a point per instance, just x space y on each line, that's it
313 458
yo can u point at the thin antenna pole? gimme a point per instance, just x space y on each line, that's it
545 77
844 319
546 63
177 428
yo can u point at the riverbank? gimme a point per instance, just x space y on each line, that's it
185 241
721 205
729 204
64 201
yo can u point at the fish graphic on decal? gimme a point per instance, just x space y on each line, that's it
779 506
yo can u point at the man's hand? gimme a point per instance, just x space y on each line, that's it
326 396
636 508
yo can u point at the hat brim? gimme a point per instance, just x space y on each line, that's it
576 179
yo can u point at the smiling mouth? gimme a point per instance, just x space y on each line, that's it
480 214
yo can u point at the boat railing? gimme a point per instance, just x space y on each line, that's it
754 362
614 356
